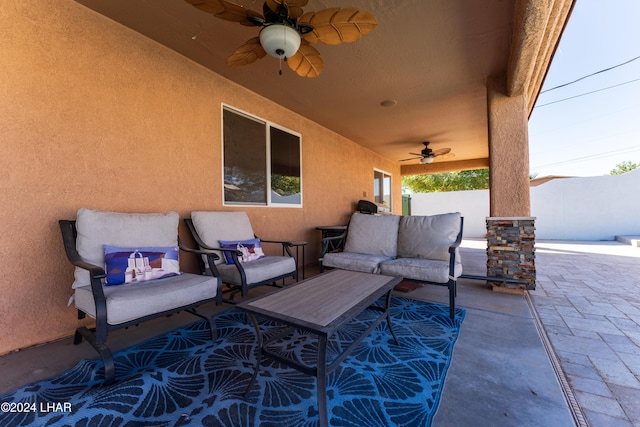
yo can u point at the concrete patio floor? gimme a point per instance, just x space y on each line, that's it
567 354
587 308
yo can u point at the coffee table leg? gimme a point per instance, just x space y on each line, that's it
323 418
258 354
387 309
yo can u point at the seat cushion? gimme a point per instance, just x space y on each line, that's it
373 235
256 271
428 237
213 226
133 301
420 269
127 230
354 261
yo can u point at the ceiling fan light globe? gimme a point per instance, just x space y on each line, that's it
280 41
426 160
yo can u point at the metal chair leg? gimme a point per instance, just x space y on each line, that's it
102 349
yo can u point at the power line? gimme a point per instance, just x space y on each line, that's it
590 75
591 157
586 93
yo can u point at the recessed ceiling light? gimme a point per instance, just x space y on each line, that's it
388 103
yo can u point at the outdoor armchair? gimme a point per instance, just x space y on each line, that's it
127 271
242 264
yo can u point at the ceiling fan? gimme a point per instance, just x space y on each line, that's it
427 155
287 32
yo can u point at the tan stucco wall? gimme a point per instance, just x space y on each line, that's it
508 151
94 115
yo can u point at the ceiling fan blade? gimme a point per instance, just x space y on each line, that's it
226 10
445 156
411 158
416 154
307 62
441 151
247 54
295 6
335 25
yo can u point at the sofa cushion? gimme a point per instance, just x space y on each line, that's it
354 261
428 237
419 269
373 235
98 228
133 301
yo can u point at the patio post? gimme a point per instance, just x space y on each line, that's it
510 228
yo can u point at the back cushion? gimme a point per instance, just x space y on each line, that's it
373 234
214 226
97 228
428 237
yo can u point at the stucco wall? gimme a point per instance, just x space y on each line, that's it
94 115
593 208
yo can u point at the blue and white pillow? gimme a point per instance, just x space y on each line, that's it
251 249
134 265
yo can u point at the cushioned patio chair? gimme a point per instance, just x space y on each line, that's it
127 272
230 233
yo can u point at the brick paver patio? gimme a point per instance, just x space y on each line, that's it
588 299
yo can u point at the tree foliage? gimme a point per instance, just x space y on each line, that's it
285 185
477 179
624 167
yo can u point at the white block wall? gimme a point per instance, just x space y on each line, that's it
591 208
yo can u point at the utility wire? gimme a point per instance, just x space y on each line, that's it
590 157
590 75
586 93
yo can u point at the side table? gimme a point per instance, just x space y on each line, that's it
298 245
332 231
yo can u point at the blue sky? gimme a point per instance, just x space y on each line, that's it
591 133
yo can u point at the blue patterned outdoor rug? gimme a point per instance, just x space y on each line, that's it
182 378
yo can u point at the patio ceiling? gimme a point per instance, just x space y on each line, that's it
431 57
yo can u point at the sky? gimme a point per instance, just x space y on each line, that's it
589 134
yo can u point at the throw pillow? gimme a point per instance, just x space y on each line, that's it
251 249
133 265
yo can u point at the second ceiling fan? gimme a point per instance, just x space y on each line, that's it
287 32
427 155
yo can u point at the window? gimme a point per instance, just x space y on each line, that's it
262 162
382 188
285 167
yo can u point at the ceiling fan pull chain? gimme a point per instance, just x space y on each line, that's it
280 72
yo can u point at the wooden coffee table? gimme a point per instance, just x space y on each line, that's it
320 305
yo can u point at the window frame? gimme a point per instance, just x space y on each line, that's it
385 175
268 125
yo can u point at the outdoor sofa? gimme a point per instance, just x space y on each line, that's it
417 248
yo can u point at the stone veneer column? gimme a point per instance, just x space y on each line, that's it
511 253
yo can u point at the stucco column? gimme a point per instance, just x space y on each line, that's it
508 151
510 229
